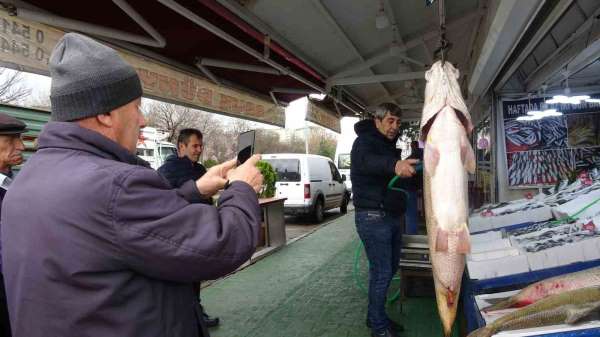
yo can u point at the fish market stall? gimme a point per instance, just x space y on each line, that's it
510 257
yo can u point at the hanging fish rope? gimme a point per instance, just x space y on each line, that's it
445 45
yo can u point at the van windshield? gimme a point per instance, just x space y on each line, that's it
286 169
344 161
166 151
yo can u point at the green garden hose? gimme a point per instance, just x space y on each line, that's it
573 217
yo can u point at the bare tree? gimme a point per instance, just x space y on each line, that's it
12 89
40 100
172 118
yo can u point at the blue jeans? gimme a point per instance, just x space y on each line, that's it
381 236
412 218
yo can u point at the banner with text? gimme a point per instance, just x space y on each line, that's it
323 117
27 46
539 152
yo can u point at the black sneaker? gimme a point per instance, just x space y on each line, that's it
386 333
395 326
210 322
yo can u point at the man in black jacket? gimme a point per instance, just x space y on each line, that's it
379 210
183 167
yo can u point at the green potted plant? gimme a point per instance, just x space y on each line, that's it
269 175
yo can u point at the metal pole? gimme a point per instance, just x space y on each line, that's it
58 21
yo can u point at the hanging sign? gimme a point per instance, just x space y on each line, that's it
27 46
323 117
540 152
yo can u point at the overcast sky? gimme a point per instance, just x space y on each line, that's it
294 113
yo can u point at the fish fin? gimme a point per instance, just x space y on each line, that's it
464 241
499 304
431 157
467 155
486 331
574 315
441 240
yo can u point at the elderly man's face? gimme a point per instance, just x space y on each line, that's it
11 150
389 125
127 122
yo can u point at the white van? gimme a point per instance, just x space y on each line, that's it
343 165
153 148
312 184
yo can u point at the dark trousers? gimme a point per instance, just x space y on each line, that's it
412 213
198 308
4 322
381 235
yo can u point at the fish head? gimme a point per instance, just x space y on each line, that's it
442 90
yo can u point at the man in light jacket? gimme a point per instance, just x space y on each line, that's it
95 242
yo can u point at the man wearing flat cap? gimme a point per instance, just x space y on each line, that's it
11 147
96 243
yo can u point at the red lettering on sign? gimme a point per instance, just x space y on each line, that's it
205 96
189 87
168 86
149 78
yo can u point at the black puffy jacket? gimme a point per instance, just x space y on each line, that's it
373 162
178 170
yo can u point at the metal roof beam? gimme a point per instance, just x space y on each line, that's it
413 106
509 24
183 11
156 40
343 36
551 20
396 77
238 66
573 46
408 45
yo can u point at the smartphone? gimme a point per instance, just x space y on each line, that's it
245 148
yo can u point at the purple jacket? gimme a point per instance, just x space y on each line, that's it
95 243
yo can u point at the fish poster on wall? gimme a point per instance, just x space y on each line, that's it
539 152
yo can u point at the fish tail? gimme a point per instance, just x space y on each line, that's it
486 331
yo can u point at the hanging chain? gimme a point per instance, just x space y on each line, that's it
443 41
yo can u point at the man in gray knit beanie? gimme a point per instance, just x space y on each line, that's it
89 79
95 242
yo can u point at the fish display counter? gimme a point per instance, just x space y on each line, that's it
506 260
562 200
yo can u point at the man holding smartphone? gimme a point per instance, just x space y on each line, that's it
181 168
97 243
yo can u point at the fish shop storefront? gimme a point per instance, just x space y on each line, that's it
535 224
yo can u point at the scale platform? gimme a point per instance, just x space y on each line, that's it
415 253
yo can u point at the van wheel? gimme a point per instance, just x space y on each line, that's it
319 211
344 206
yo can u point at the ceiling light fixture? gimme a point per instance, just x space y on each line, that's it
567 98
318 97
533 115
381 20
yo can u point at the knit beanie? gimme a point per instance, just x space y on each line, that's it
89 79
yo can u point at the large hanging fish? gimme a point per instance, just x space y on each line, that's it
448 156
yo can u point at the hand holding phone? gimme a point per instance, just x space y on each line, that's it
245 148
